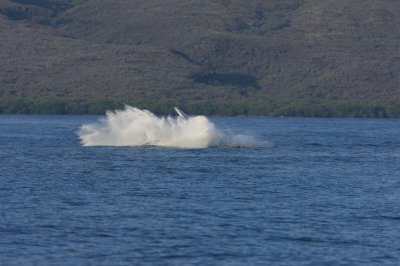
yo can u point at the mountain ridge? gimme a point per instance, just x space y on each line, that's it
266 53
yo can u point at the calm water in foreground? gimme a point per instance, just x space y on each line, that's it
327 193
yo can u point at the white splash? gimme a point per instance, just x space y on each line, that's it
135 127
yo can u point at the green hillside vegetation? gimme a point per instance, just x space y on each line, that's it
330 58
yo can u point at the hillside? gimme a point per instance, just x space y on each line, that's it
277 57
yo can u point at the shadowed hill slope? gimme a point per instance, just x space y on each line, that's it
268 54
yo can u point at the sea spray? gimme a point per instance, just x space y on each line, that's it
135 127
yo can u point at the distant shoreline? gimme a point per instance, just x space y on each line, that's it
252 107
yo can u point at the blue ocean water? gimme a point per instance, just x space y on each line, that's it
327 192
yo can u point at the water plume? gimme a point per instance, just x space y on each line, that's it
135 127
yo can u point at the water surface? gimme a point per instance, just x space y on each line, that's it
326 193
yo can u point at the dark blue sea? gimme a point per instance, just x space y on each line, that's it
325 192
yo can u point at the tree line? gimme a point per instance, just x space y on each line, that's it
254 107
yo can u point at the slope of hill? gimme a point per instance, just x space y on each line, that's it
278 57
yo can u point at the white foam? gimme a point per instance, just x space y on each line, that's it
135 127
